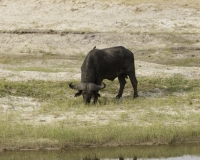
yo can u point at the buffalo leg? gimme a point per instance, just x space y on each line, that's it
122 83
96 94
134 83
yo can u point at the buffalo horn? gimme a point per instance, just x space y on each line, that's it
95 87
80 86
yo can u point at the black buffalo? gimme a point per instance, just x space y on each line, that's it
108 64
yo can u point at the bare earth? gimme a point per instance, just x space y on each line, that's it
111 24
74 27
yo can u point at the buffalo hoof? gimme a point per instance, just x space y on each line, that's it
118 97
95 101
136 95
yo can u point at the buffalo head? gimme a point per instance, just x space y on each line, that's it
88 90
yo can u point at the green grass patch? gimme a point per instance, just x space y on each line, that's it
99 135
183 56
172 84
170 117
37 69
40 55
60 91
43 90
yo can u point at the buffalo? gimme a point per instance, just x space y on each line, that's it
108 63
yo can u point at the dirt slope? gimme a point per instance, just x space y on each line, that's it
74 27
99 16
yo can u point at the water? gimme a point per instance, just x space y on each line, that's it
168 152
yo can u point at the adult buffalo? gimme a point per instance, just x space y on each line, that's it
108 64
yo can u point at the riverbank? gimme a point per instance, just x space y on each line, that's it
187 151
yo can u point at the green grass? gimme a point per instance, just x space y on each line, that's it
41 55
166 111
38 69
48 90
20 134
161 119
36 89
186 57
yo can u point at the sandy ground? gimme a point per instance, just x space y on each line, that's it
74 27
82 16
99 16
